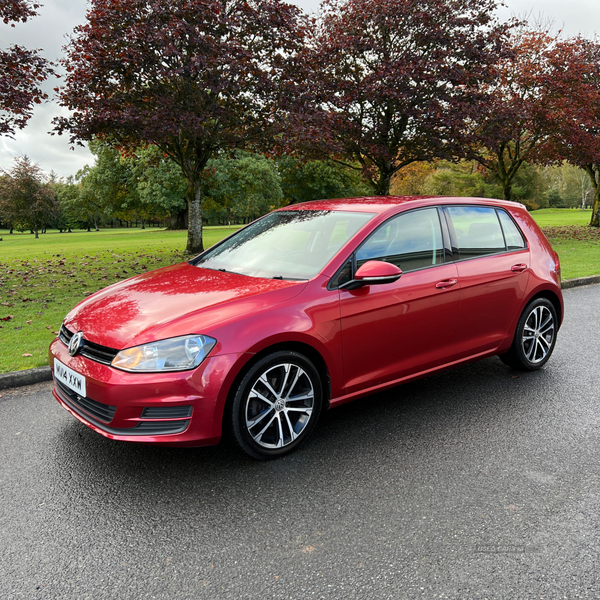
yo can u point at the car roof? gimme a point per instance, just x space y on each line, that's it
384 204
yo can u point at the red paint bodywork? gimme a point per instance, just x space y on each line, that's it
362 340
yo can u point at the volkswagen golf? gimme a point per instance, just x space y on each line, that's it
306 308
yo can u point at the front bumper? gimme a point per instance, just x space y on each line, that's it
171 409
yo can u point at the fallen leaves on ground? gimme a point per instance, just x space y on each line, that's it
573 232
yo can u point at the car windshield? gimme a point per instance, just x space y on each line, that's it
285 244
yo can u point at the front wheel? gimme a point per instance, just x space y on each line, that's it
534 338
276 405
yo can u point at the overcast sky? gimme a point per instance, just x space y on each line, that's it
57 19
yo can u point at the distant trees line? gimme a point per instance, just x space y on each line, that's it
147 187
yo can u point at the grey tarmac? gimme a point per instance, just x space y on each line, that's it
476 483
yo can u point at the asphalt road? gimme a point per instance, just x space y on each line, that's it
476 483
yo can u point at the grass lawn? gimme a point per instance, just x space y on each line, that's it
578 245
41 280
556 217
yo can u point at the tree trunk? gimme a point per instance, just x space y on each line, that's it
193 196
382 187
179 219
595 220
594 172
507 189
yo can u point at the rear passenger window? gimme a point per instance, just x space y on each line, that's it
514 239
412 240
477 230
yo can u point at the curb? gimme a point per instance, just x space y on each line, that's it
27 377
39 374
571 283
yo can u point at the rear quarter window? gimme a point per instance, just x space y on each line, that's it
514 238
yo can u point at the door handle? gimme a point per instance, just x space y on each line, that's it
446 283
518 268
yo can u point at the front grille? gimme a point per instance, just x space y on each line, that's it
95 352
65 335
166 412
102 412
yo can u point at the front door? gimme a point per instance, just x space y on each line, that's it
397 329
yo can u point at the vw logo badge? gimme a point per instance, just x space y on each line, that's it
76 343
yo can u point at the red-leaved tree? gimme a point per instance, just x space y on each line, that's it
392 82
521 107
575 75
193 77
21 72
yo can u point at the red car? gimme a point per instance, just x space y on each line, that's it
307 308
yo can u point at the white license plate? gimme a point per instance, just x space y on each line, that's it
74 381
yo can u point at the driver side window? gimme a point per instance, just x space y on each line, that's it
411 241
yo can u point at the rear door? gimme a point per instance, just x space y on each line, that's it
493 269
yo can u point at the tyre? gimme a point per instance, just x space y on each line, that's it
534 338
276 405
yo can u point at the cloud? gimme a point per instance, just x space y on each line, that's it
48 31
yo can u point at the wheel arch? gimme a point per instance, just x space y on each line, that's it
294 346
553 298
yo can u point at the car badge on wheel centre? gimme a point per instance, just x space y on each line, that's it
76 343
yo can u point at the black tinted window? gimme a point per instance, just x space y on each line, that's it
410 241
477 230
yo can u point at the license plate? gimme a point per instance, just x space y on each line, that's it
74 381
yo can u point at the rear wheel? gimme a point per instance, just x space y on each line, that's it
534 338
277 405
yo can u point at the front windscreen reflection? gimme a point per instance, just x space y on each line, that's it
288 244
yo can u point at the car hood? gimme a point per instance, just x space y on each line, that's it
176 300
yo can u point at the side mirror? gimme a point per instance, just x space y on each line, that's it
373 272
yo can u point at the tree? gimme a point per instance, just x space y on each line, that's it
21 72
393 81
160 184
520 110
27 200
569 183
317 180
68 197
244 187
410 181
90 204
192 77
576 134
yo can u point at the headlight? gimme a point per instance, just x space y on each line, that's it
175 354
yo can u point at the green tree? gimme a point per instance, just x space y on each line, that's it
318 180
26 199
244 187
160 185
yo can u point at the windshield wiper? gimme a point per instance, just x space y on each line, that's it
281 277
227 271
